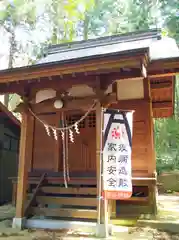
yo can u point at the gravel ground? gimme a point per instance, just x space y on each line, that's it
169 210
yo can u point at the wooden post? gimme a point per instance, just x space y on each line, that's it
24 161
57 146
31 128
152 166
102 209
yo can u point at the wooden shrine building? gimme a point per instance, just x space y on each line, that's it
71 83
9 151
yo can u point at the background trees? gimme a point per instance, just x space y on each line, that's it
30 25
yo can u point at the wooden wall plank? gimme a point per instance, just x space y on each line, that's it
44 145
142 143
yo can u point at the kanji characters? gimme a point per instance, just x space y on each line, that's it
123 182
122 148
111 182
122 171
111 158
112 147
123 159
111 170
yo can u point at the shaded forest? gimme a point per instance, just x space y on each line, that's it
28 27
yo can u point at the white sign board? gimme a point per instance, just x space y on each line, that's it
117 173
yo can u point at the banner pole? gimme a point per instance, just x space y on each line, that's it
105 201
102 230
100 166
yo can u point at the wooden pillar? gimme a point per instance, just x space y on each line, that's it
24 161
31 128
151 145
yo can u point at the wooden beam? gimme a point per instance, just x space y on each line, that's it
73 104
69 190
24 160
58 83
147 90
162 105
92 65
137 199
161 86
166 73
60 180
70 201
167 64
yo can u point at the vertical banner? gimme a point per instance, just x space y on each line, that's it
117 169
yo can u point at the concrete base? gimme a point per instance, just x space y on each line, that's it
59 224
102 231
18 223
87 227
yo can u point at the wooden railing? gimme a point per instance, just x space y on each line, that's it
34 195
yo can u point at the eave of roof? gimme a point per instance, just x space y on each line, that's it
9 115
82 51
30 72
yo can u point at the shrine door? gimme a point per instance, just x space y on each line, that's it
81 153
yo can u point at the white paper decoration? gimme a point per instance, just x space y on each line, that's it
71 136
47 130
55 134
77 129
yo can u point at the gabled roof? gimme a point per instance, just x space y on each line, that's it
63 58
9 115
111 54
159 47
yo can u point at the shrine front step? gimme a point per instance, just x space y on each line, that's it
75 202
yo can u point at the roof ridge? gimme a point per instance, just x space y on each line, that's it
113 39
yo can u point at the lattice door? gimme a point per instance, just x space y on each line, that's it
82 153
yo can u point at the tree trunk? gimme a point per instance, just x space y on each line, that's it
55 21
86 27
12 50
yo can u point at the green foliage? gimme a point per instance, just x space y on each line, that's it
170 13
167 139
68 20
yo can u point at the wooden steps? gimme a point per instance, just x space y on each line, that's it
78 201
64 212
69 190
75 201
